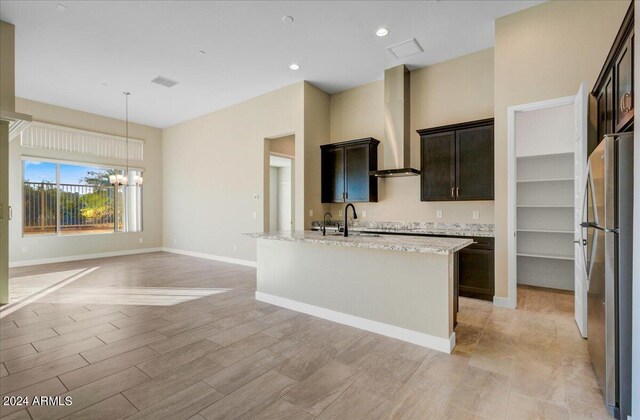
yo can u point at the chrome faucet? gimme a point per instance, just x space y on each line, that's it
346 221
324 223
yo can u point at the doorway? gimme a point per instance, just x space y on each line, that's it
547 165
280 193
279 184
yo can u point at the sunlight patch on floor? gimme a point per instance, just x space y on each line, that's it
149 296
22 287
43 292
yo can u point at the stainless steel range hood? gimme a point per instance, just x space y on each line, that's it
397 110
17 122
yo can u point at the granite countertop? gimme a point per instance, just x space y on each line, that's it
416 228
423 245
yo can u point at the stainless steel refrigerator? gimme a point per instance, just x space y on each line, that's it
607 238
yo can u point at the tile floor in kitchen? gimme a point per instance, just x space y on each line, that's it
168 336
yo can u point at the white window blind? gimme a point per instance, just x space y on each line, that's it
53 137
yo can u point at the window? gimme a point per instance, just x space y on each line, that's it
66 199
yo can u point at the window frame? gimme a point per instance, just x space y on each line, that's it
58 162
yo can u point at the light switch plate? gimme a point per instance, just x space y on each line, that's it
310 213
439 214
255 215
364 213
476 214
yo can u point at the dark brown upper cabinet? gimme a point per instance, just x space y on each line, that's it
614 88
346 171
457 162
623 71
604 103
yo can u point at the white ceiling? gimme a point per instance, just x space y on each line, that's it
67 57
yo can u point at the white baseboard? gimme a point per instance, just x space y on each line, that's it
421 339
82 257
503 302
238 261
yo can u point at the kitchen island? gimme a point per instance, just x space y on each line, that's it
401 287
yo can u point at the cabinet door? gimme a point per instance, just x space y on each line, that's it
474 163
333 175
623 67
475 273
357 173
437 161
605 108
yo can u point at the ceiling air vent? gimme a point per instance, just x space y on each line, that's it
405 49
164 81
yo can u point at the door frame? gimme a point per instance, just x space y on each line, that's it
4 212
292 187
266 175
512 300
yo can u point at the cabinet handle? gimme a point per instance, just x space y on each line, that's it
457 191
623 102
452 190
346 194
10 212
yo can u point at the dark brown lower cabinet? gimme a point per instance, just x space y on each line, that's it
476 276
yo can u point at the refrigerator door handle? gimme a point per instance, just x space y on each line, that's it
586 225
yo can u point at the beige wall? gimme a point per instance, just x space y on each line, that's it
215 166
283 145
541 53
42 247
316 132
453 91
7 66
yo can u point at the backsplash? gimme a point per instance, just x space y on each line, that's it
479 229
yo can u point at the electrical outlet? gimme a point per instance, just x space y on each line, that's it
256 196
24 249
476 214
439 214
255 215
235 248
364 213
140 240
310 213
175 241
339 212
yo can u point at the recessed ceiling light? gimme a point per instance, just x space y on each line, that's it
287 19
382 32
294 66
61 7
105 84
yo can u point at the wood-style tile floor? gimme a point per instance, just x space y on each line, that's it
169 336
